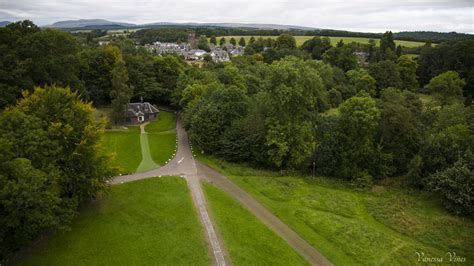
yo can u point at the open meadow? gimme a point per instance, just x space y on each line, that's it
385 226
142 222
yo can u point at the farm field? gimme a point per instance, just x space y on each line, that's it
246 238
125 145
385 226
301 39
141 222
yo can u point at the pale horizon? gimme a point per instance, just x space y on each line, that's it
358 15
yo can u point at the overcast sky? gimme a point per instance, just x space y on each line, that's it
355 15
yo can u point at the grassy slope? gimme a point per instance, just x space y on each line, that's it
352 227
162 138
301 39
125 144
144 222
248 240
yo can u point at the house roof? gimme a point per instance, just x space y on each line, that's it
139 109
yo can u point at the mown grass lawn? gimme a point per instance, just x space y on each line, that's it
165 122
247 239
146 222
386 227
125 145
301 39
162 137
162 146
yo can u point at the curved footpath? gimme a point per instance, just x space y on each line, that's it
184 165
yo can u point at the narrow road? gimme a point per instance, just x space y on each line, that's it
184 165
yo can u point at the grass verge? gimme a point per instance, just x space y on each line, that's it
248 241
357 228
144 222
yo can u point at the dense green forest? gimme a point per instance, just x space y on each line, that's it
318 107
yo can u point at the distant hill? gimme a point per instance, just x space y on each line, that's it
254 29
4 23
102 23
87 23
231 25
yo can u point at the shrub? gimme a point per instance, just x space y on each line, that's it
362 180
456 185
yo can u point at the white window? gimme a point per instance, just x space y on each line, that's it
141 119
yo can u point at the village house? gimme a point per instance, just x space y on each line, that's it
141 112
219 55
234 50
195 54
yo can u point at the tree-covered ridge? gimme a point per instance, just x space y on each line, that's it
177 33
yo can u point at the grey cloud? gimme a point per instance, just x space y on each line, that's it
360 15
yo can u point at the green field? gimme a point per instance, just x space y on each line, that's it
301 39
146 222
384 226
247 239
125 145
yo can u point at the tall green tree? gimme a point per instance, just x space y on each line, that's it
233 41
317 46
222 41
251 40
214 115
346 143
121 92
50 152
386 75
399 131
30 56
242 41
203 44
341 57
213 40
361 80
446 86
291 95
387 46
407 68
285 41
